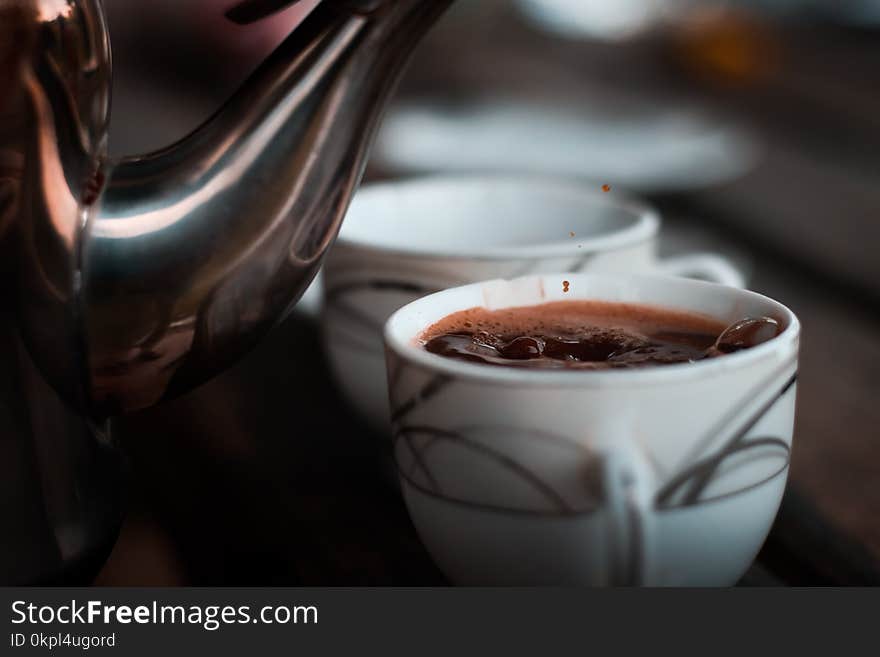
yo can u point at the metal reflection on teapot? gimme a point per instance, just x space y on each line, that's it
127 282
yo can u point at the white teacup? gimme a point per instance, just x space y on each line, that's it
667 475
401 240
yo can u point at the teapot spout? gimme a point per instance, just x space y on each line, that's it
192 253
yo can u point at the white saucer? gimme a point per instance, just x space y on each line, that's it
644 149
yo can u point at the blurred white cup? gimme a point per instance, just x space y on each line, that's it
402 240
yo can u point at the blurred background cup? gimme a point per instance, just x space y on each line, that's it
402 240
655 476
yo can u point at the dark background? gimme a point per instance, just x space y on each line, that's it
264 477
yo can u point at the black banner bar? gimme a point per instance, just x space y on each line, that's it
415 622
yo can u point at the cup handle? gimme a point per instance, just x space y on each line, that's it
628 487
705 266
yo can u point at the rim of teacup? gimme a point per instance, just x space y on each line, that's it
408 347
645 220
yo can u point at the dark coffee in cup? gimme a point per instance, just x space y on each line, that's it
591 335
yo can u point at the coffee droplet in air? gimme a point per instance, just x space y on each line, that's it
565 286
571 233
606 188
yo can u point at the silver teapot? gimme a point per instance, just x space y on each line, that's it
127 282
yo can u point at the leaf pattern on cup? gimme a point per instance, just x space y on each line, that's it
528 487
355 327
687 487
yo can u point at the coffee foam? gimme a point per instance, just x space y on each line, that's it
573 319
